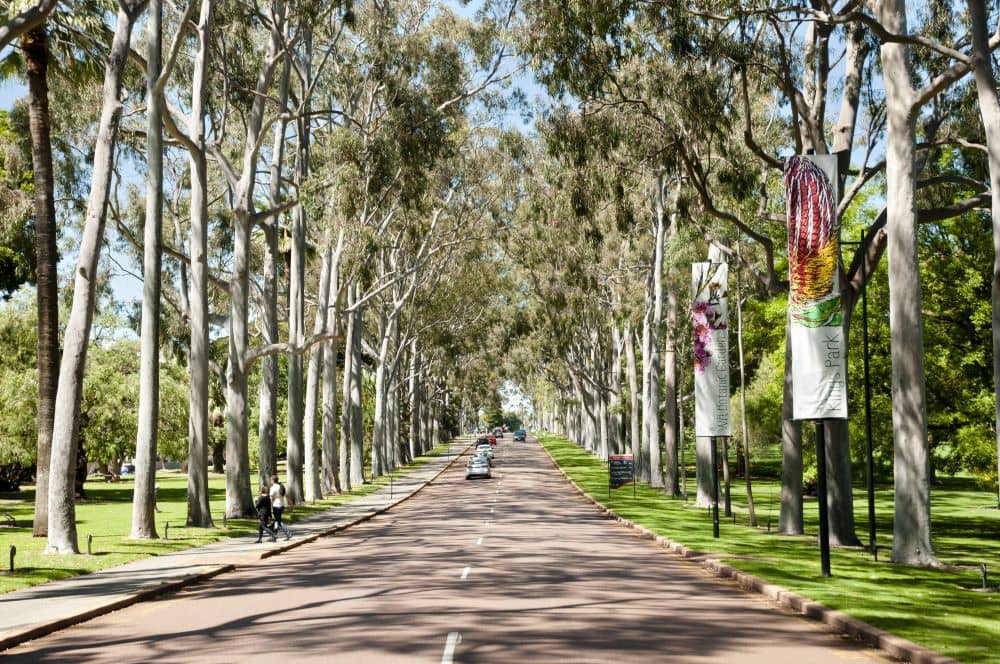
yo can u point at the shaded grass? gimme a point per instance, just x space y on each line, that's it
106 516
936 608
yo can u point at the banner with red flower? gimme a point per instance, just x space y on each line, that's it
819 371
709 316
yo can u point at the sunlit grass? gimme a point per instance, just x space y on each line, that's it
106 517
936 608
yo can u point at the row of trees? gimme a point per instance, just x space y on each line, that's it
672 142
329 197
308 179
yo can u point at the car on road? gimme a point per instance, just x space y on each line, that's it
491 439
498 432
521 435
478 467
484 448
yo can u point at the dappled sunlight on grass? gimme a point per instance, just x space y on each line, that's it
936 608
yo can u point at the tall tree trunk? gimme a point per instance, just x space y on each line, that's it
414 399
642 461
144 491
790 515
199 512
912 524
313 491
66 420
670 434
347 413
379 456
989 110
331 459
267 391
296 323
653 406
357 463
239 499
635 426
35 47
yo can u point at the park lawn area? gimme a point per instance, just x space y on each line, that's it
106 515
937 608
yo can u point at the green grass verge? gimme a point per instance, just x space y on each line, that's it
106 515
937 608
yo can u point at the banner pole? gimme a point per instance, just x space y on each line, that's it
715 492
824 525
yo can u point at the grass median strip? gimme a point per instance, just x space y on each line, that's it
105 516
940 609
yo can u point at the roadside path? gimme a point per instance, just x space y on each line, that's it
518 568
39 610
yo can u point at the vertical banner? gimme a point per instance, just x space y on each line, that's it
709 315
819 367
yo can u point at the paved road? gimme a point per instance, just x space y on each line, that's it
513 569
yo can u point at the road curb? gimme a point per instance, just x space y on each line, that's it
165 587
836 621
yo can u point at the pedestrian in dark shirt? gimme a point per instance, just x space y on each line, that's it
263 506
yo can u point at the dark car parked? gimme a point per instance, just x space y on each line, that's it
521 435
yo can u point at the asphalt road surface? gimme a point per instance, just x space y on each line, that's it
513 569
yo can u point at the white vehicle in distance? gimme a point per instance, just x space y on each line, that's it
478 467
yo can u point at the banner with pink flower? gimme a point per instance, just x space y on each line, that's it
709 316
816 332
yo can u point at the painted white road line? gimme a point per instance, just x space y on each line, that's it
491 510
465 572
448 656
479 541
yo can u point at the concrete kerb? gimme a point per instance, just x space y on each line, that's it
835 621
166 587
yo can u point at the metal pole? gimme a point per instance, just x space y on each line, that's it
824 526
869 461
715 491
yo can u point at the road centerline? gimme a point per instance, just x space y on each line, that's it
448 656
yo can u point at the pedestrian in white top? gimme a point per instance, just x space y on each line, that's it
278 505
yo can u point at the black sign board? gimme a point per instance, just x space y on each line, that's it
621 471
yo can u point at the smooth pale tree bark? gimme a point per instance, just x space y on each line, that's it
379 460
642 461
239 499
911 469
313 490
670 433
332 460
357 429
989 110
635 422
790 515
144 490
615 398
267 391
656 325
347 413
296 331
198 510
66 421
414 386
35 47
703 470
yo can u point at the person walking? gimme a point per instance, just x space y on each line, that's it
278 506
263 506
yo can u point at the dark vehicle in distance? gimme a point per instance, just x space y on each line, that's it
521 435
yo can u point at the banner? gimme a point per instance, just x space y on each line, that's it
819 367
621 470
709 315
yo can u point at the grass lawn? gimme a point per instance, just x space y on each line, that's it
937 608
106 514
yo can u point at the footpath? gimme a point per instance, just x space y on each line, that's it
34 612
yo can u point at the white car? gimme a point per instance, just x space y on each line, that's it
478 467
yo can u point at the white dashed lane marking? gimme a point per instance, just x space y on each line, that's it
465 572
448 656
